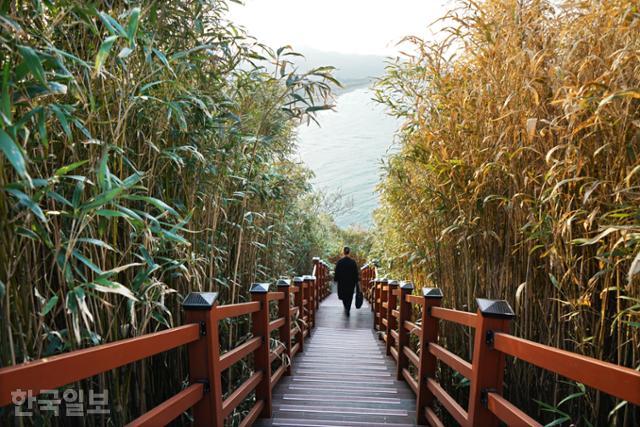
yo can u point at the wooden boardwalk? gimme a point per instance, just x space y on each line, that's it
343 378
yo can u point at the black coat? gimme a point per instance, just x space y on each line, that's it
347 274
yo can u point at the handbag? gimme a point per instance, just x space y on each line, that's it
359 296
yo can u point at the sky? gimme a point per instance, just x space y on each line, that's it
361 27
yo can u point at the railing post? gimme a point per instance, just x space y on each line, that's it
404 309
284 310
384 290
308 290
261 357
364 281
325 280
392 323
428 362
367 289
374 303
299 283
487 364
316 282
204 356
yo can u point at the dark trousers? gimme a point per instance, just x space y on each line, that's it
346 301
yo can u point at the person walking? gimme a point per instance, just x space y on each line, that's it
347 274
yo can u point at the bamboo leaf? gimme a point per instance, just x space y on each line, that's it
103 52
49 305
86 261
96 242
13 154
106 286
71 167
103 198
28 202
33 63
132 25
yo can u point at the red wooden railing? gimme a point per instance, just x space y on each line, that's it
394 305
202 313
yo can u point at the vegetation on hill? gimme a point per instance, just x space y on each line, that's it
146 153
519 178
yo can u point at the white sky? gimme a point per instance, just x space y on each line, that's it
345 26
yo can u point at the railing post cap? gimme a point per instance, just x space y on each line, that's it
364 266
282 283
393 283
298 279
406 285
495 308
309 277
259 288
316 259
432 293
200 301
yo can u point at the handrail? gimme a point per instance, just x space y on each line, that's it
201 336
610 378
57 371
508 413
233 356
455 316
171 408
236 398
393 316
237 310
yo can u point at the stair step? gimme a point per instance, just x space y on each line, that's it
342 378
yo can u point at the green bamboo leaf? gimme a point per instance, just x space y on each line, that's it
66 169
111 213
102 199
103 52
112 25
42 128
96 242
49 305
132 25
86 261
33 63
28 202
176 237
25 232
155 202
103 174
13 154
61 114
5 107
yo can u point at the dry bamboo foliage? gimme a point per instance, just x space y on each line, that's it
519 178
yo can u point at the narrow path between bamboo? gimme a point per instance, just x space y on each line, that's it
343 377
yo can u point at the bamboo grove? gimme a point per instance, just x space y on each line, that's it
146 152
518 177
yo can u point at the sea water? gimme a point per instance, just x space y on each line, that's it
347 150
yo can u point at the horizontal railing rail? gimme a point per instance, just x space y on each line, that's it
394 306
204 394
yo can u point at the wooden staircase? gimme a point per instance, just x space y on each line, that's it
343 378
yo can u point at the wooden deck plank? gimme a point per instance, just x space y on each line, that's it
343 378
